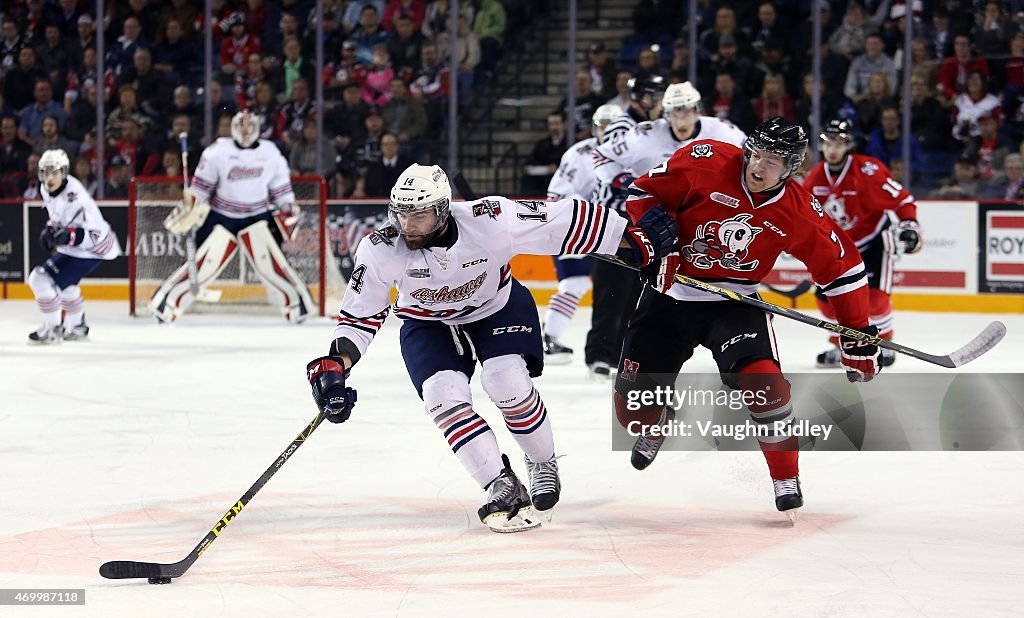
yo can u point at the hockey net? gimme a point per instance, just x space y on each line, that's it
154 253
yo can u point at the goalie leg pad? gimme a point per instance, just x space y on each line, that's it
173 297
449 401
284 286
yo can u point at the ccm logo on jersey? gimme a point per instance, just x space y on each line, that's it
737 339
512 329
701 150
474 262
723 242
728 200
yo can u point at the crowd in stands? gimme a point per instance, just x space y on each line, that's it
754 60
385 77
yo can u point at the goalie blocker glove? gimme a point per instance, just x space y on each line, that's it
653 236
327 377
859 357
909 234
54 236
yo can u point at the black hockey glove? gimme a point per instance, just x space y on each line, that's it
653 237
860 358
327 376
909 234
54 236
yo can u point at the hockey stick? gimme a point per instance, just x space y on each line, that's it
982 343
158 573
207 295
795 292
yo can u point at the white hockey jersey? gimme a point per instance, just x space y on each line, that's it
471 279
649 144
575 175
242 182
73 207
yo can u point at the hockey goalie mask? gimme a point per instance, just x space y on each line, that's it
420 203
54 167
603 116
245 129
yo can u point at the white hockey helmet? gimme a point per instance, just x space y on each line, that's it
602 117
419 188
245 128
54 161
680 96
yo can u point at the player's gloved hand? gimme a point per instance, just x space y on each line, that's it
653 236
908 232
327 377
54 236
667 272
287 218
188 215
620 186
858 357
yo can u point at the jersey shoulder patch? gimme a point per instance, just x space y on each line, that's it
385 235
490 208
701 151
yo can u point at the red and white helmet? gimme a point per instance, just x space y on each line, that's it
245 128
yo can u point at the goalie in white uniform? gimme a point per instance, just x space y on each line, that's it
574 179
79 238
459 304
241 197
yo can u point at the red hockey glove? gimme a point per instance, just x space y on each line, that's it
667 272
858 357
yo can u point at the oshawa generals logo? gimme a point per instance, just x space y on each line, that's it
244 173
836 208
723 242
428 296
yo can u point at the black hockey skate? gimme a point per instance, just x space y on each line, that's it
556 353
600 370
829 359
47 335
788 496
647 447
508 506
77 333
545 486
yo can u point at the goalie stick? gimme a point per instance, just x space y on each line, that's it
980 344
159 573
202 295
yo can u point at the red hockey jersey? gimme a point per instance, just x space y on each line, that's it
858 198
730 237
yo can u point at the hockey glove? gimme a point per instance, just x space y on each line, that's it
327 377
858 357
54 236
653 236
287 218
908 232
189 215
620 186
667 272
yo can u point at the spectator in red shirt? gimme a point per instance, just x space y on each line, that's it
725 105
953 71
774 100
414 9
236 48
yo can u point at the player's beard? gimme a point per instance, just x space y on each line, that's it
416 242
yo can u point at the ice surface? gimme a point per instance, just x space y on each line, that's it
132 445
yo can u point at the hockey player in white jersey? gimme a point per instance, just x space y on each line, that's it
460 304
79 238
574 179
645 95
616 164
241 197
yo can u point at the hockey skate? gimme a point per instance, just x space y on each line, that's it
829 359
556 353
788 496
545 486
77 333
47 335
508 506
600 370
647 447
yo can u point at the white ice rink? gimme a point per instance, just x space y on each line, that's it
131 446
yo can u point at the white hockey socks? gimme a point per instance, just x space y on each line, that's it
285 287
73 305
507 382
48 297
448 400
563 305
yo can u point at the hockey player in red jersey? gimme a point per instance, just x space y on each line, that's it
737 210
858 192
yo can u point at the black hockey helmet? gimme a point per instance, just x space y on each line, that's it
779 137
838 128
653 85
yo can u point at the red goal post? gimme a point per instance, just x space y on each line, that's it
154 253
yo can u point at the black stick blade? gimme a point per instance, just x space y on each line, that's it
127 569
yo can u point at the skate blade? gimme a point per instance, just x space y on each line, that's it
557 359
525 519
791 514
